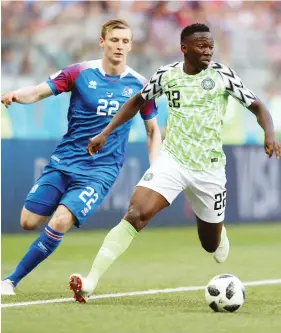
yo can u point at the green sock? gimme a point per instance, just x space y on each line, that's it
115 243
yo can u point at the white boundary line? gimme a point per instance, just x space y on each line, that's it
135 293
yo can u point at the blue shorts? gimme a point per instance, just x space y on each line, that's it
81 195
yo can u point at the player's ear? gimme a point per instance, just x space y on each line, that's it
101 42
184 48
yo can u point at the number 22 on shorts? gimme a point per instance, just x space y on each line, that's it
93 197
220 201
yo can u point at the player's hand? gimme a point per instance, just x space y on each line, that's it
272 145
8 98
96 142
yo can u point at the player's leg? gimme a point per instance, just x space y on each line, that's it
30 220
209 234
157 189
144 204
213 239
207 196
40 203
83 199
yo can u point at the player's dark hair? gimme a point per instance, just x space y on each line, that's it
191 29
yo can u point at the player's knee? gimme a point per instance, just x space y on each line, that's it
59 223
62 220
137 216
27 225
29 221
209 246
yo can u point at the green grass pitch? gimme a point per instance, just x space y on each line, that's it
157 259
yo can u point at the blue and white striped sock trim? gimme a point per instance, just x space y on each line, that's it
53 234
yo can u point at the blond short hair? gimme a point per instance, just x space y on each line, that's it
113 24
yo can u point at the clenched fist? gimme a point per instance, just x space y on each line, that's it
8 98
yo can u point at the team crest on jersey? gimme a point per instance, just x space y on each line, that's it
208 84
127 92
92 85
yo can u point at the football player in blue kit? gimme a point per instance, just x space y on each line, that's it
74 183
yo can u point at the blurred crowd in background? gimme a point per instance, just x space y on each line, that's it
40 37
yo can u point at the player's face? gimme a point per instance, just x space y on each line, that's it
117 44
198 49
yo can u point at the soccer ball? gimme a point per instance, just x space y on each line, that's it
225 293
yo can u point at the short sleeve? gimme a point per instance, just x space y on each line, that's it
63 80
153 88
234 85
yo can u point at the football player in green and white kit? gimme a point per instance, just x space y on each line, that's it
191 158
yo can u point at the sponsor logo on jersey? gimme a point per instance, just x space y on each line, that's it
92 85
127 92
109 94
208 84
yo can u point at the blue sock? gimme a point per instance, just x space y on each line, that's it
39 250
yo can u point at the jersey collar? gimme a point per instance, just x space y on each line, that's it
113 76
200 74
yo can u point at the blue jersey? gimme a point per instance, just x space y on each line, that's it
95 98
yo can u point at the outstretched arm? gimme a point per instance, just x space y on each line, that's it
127 111
27 95
235 87
271 144
150 91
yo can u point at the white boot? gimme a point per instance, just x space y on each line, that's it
82 288
7 287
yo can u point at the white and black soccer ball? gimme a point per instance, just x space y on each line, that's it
225 293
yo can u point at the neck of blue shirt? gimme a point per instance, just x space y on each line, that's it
112 70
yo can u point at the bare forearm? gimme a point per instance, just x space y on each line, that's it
271 144
153 143
26 95
264 118
265 121
32 94
127 111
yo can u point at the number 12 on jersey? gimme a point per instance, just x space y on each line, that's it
174 98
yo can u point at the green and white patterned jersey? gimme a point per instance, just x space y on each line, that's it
197 106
